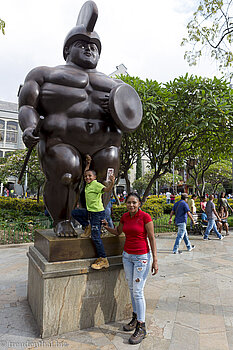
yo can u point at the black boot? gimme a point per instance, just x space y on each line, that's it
131 325
139 334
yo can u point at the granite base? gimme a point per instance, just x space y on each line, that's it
67 296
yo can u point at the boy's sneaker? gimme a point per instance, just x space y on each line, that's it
100 263
192 247
87 232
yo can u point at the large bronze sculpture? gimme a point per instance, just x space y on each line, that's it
84 111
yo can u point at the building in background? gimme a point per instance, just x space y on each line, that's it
10 136
121 69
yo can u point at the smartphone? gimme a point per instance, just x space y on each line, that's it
110 172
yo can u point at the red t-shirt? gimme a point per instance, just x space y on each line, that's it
135 232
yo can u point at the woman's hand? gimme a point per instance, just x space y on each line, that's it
105 223
154 268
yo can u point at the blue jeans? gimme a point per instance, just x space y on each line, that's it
108 214
182 234
136 270
85 217
211 225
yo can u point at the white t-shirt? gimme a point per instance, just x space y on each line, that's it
168 195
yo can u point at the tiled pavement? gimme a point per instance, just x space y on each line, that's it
189 303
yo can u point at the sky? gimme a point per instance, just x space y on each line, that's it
143 35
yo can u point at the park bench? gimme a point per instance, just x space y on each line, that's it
199 228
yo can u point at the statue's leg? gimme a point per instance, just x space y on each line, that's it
62 166
101 161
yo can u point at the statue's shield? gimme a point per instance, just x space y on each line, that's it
125 107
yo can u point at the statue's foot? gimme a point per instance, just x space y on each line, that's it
65 229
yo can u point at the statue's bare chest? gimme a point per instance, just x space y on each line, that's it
65 87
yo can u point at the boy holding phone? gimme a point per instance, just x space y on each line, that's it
95 211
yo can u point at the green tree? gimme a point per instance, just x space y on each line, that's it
2 26
168 179
177 115
139 166
13 165
210 31
142 182
128 157
200 159
218 174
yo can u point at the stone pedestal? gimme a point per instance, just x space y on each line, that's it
68 295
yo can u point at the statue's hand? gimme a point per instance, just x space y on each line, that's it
29 139
104 102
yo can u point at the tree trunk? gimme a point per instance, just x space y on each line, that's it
127 182
38 194
203 189
115 196
147 191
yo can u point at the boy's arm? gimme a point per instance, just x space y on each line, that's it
110 184
88 162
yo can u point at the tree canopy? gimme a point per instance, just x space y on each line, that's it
178 116
218 174
2 26
210 32
13 164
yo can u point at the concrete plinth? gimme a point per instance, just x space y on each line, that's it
55 248
66 296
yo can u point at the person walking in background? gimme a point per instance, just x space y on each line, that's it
181 211
137 226
172 198
108 213
192 207
212 215
168 197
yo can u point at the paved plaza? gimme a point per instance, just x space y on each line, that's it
189 303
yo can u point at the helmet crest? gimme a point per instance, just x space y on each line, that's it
84 29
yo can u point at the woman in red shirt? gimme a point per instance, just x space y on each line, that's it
137 226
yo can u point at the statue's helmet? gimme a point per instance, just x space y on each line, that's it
84 29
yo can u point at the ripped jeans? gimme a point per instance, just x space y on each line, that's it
83 216
136 271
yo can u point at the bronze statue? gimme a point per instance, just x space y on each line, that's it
84 111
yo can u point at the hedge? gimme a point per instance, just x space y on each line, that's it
153 206
24 206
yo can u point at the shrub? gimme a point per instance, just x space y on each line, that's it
153 206
167 208
23 206
154 209
118 211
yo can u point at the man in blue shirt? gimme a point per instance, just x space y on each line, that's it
181 211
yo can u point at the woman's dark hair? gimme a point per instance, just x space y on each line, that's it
133 194
194 195
222 195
